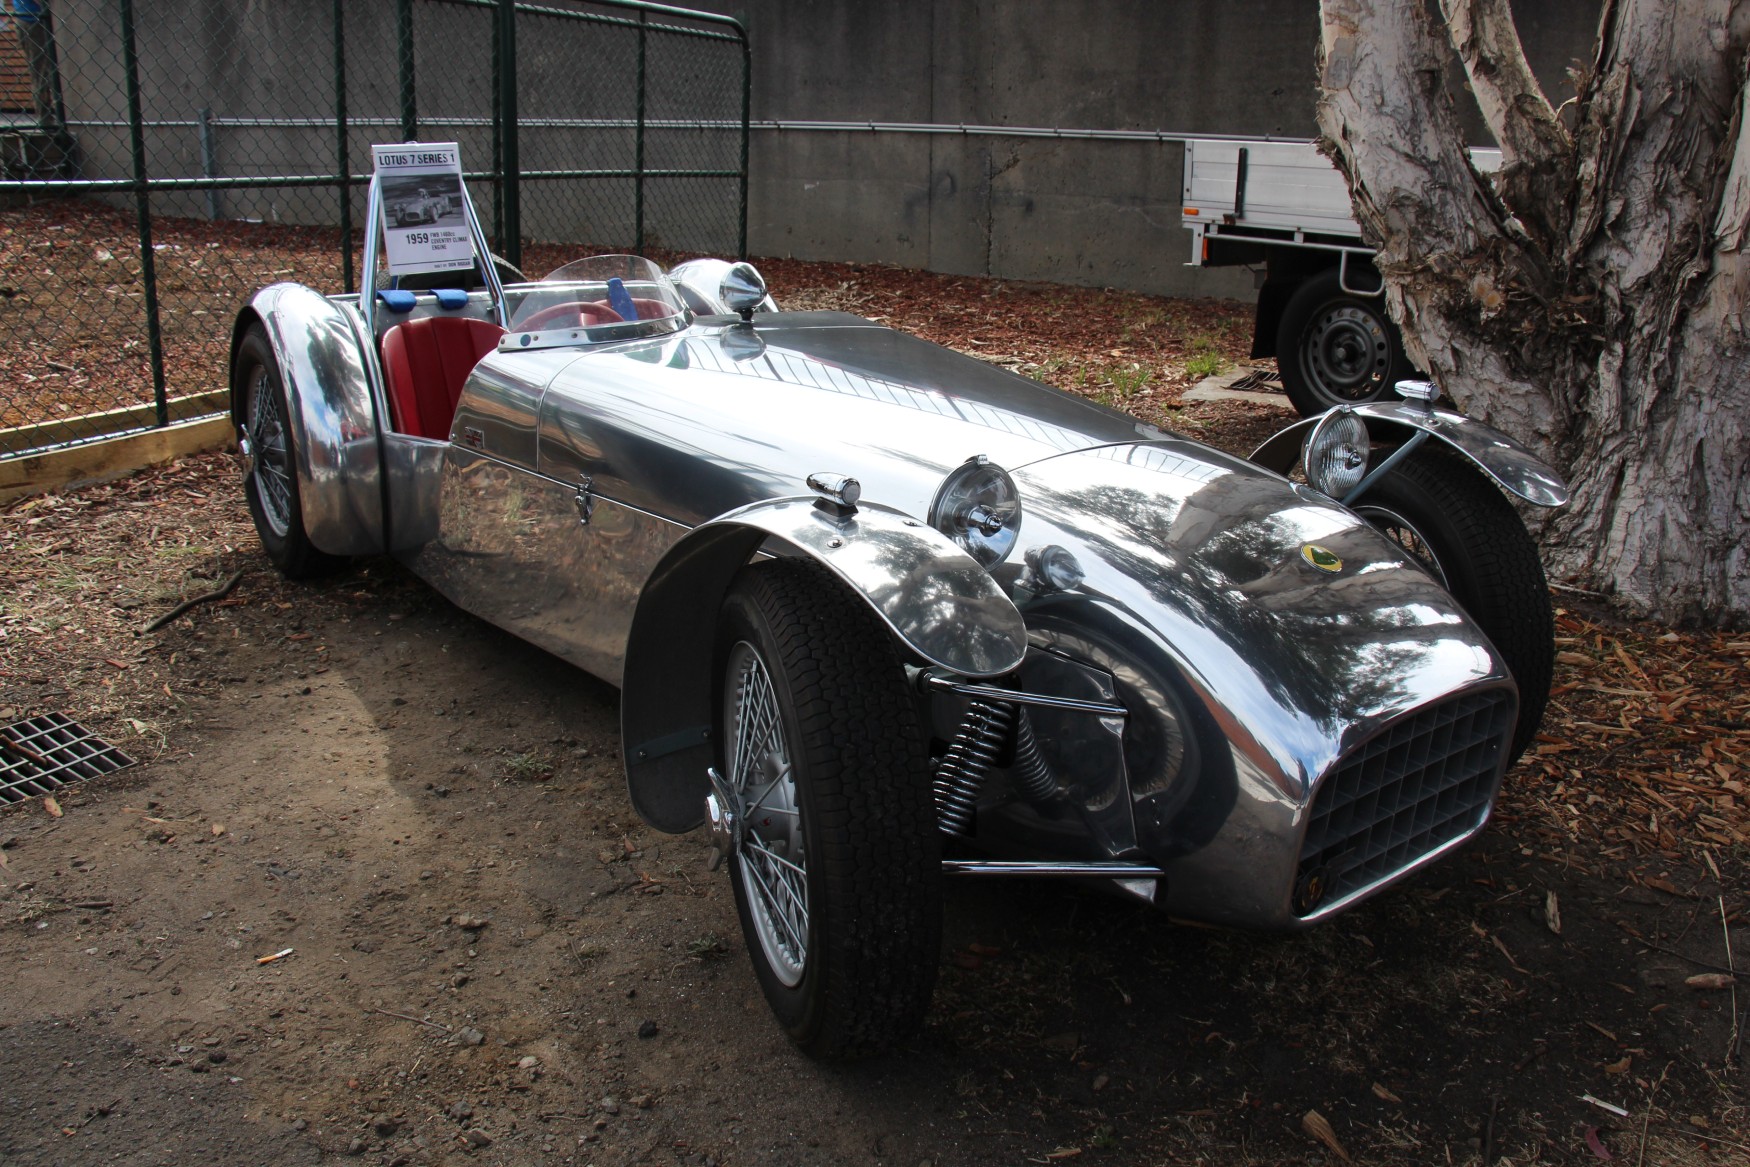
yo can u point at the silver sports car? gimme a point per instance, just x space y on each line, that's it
881 613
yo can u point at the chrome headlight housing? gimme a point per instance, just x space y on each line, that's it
1336 451
979 508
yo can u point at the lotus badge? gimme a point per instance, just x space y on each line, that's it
1321 557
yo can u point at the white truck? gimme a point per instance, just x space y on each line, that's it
1282 207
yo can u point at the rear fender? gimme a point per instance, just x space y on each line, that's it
936 599
330 394
1513 467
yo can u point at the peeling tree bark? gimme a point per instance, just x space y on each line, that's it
1590 298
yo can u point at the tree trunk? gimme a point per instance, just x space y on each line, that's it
1590 297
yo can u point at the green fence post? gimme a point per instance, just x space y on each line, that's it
638 142
512 239
343 165
404 42
746 106
143 212
497 130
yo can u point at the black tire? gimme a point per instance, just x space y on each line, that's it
271 481
1337 349
1449 515
864 821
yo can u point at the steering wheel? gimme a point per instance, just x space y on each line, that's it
580 314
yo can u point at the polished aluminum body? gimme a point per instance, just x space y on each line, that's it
1191 670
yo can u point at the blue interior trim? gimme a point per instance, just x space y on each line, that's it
395 300
451 298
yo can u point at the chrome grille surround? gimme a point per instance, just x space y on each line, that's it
1411 792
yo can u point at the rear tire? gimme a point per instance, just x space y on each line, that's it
1452 518
1334 348
821 743
271 478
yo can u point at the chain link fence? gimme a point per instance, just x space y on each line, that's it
162 159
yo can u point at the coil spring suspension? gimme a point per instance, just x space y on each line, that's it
1030 773
961 773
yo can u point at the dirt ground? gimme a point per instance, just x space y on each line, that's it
488 959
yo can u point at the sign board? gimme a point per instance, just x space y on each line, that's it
425 227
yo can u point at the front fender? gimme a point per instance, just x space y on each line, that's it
934 597
1510 464
333 415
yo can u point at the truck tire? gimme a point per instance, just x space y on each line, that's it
1335 348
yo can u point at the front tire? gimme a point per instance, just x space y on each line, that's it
1449 516
1334 348
837 873
270 480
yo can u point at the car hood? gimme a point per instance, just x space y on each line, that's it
695 424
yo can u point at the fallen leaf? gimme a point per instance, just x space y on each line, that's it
1573 658
1064 1153
1710 981
1552 913
1620 1067
1664 885
115 663
50 805
218 829
1384 1095
1316 1125
1597 1144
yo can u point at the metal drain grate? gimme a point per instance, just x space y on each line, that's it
40 755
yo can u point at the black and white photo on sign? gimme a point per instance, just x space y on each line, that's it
423 207
432 199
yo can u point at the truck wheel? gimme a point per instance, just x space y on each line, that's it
1452 518
1337 349
270 482
837 868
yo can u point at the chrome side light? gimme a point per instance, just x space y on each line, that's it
1336 452
979 508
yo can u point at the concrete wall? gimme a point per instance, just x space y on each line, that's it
1090 212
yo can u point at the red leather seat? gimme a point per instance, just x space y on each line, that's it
425 363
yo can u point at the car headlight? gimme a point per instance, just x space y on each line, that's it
1336 452
979 508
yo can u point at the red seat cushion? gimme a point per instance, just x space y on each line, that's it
426 362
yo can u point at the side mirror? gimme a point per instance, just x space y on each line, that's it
743 289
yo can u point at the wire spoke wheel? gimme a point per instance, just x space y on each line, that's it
1405 534
272 462
270 482
772 860
822 798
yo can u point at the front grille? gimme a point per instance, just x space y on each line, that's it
1414 788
